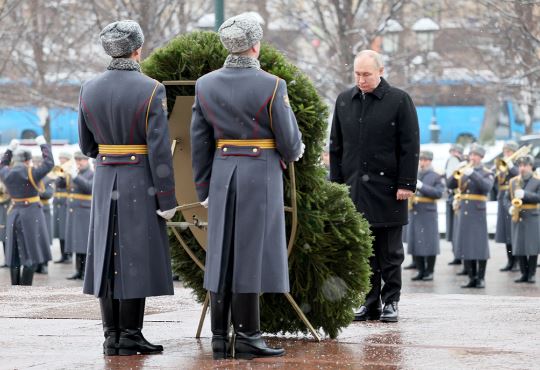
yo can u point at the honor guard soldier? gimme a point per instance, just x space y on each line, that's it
504 171
46 191
123 125
237 171
524 195
5 200
423 228
59 205
452 164
473 182
79 200
27 235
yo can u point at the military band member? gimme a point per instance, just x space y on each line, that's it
79 201
423 228
60 209
27 235
473 183
5 200
504 223
46 192
452 164
237 171
524 195
123 124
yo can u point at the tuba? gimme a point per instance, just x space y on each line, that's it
502 163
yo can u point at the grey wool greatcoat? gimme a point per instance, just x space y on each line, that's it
470 235
374 146
26 226
236 103
423 227
526 231
125 107
451 164
4 205
45 197
78 211
60 210
503 233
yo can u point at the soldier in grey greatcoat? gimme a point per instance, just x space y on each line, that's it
242 131
27 235
504 223
46 192
423 228
524 195
79 200
473 182
5 200
60 209
453 162
123 125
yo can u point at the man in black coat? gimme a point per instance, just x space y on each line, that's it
374 147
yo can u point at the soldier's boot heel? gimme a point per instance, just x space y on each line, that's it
220 350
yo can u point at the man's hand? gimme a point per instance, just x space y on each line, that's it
167 215
403 194
468 171
519 193
40 140
73 172
13 145
419 184
205 203
301 152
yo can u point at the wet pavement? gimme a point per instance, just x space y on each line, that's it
52 325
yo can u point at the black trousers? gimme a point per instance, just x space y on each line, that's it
385 265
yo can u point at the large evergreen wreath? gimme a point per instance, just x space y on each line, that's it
329 270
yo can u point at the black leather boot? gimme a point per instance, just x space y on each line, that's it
111 330
456 261
27 275
420 267
524 268
79 267
64 257
220 304
470 266
510 258
428 275
480 281
412 265
42 268
131 340
247 340
531 271
15 275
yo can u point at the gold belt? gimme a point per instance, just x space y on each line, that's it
80 196
478 197
504 187
123 149
26 200
45 201
423 200
261 143
529 206
61 194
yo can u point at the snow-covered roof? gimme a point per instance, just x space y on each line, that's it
392 26
425 24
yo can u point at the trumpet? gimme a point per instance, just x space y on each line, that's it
62 170
502 163
458 174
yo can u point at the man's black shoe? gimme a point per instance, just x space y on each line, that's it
470 284
462 273
412 266
522 279
364 314
455 262
390 312
480 283
418 276
427 277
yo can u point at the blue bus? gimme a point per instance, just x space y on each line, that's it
464 123
24 123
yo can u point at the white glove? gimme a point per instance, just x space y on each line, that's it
13 145
205 203
168 214
40 140
509 163
419 184
73 172
511 210
519 193
468 171
302 148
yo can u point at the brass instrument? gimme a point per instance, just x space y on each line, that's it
4 195
458 174
62 170
502 163
516 204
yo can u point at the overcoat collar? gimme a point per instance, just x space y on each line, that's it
379 91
